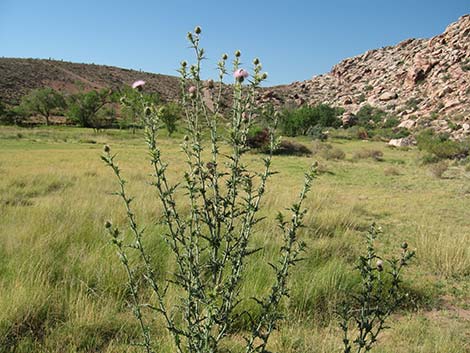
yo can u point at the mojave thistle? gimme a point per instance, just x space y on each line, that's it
212 242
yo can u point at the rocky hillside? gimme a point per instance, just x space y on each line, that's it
422 81
19 76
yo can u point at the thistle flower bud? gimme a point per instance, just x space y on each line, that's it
186 138
147 111
184 63
264 76
197 30
190 36
210 84
107 224
237 53
380 265
106 149
224 57
256 61
404 245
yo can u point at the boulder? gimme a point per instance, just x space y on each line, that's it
388 96
407 124
403 142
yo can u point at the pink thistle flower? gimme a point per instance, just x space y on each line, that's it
138 84
240 75
192 89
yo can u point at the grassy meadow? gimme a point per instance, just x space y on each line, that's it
62 287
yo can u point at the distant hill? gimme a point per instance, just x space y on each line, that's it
19 76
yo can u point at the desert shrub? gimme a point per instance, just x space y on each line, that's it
292 148
391 171
413 103
309 120
333 153
368 153
257 137
438 169
327 151
440 146
362 133
391 122
369 117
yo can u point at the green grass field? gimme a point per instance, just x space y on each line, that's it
62 288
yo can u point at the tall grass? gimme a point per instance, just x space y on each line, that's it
60 282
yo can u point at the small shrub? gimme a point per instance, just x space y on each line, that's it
391 122
369 117
367 153
333 153
291 148
438 169
257 137
391 171
440 146
362 133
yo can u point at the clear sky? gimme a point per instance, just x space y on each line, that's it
294 39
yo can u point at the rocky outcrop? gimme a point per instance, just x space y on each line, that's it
418 80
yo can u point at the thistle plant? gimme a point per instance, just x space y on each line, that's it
379 296
212 242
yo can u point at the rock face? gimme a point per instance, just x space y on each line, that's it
418 80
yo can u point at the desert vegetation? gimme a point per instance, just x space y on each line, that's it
211 266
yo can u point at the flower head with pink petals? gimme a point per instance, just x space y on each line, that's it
240 75
138 84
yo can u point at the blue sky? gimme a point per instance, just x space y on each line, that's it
294 39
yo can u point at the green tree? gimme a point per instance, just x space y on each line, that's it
42 101
169 114
85 106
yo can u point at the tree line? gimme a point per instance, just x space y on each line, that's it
97 109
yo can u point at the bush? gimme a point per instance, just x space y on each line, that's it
291 148
441 147
369 117
309 120
328 152
438 169
257 137
367 153
391 171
